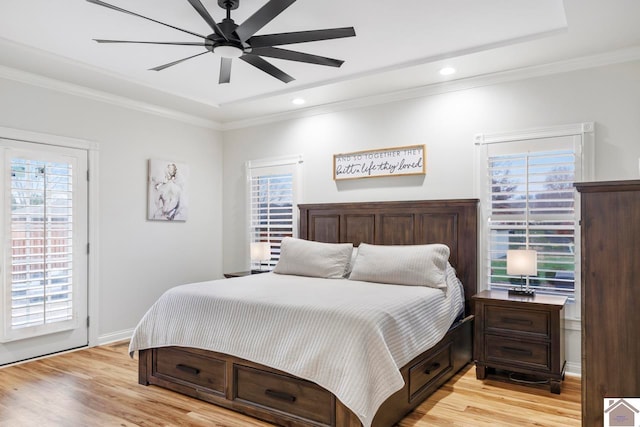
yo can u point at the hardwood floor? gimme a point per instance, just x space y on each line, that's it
98 387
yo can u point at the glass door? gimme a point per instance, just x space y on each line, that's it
44 253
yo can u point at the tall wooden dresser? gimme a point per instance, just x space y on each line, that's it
610 295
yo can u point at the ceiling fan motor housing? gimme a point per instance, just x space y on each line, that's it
229 4
231 47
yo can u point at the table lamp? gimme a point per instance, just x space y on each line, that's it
260 251
522 262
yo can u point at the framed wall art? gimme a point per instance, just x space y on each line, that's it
396 161
167 191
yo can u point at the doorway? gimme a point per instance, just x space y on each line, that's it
44 266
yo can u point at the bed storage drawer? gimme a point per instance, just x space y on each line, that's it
283 393
429 370
190 368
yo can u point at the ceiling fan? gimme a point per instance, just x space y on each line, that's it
231 40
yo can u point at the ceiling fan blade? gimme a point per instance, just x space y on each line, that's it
268 68
261 18
110 6
145 42
171 64
199 7
225 70
290 55
269 40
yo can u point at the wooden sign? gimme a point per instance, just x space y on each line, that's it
409 160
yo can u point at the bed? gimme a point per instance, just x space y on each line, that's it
285 393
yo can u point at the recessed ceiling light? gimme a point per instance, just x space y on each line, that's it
298 101
446 71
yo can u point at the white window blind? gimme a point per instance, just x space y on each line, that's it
41 243
529 202
273 211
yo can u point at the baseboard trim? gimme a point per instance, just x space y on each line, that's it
115 336
573 369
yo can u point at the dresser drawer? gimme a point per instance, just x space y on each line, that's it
427 371
527 322
191 368
292 395
515 352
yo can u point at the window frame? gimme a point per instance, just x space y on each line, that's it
584 134
271 167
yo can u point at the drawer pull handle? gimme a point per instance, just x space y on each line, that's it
517 321
188 369
280 395
517 350
433 367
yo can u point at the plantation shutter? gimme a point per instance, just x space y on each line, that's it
529 202
41 242
273 196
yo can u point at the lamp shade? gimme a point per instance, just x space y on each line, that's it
260 251
522 262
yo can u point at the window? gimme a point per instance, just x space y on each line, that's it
41 242
529 202
273 199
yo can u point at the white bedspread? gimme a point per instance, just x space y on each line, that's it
349 337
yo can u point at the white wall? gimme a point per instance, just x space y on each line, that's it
137 259
446 124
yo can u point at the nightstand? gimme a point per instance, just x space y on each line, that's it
243 273
520 335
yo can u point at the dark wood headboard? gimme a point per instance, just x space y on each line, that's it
452 222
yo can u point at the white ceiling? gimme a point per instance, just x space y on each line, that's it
398 46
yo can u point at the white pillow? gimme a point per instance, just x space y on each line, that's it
417 265
454 285
314 259
352 260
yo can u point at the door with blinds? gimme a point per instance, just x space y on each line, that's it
43 227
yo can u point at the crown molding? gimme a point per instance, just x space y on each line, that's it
575 64
614 57
96 95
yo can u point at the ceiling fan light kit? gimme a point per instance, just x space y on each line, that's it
228 50
230 40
